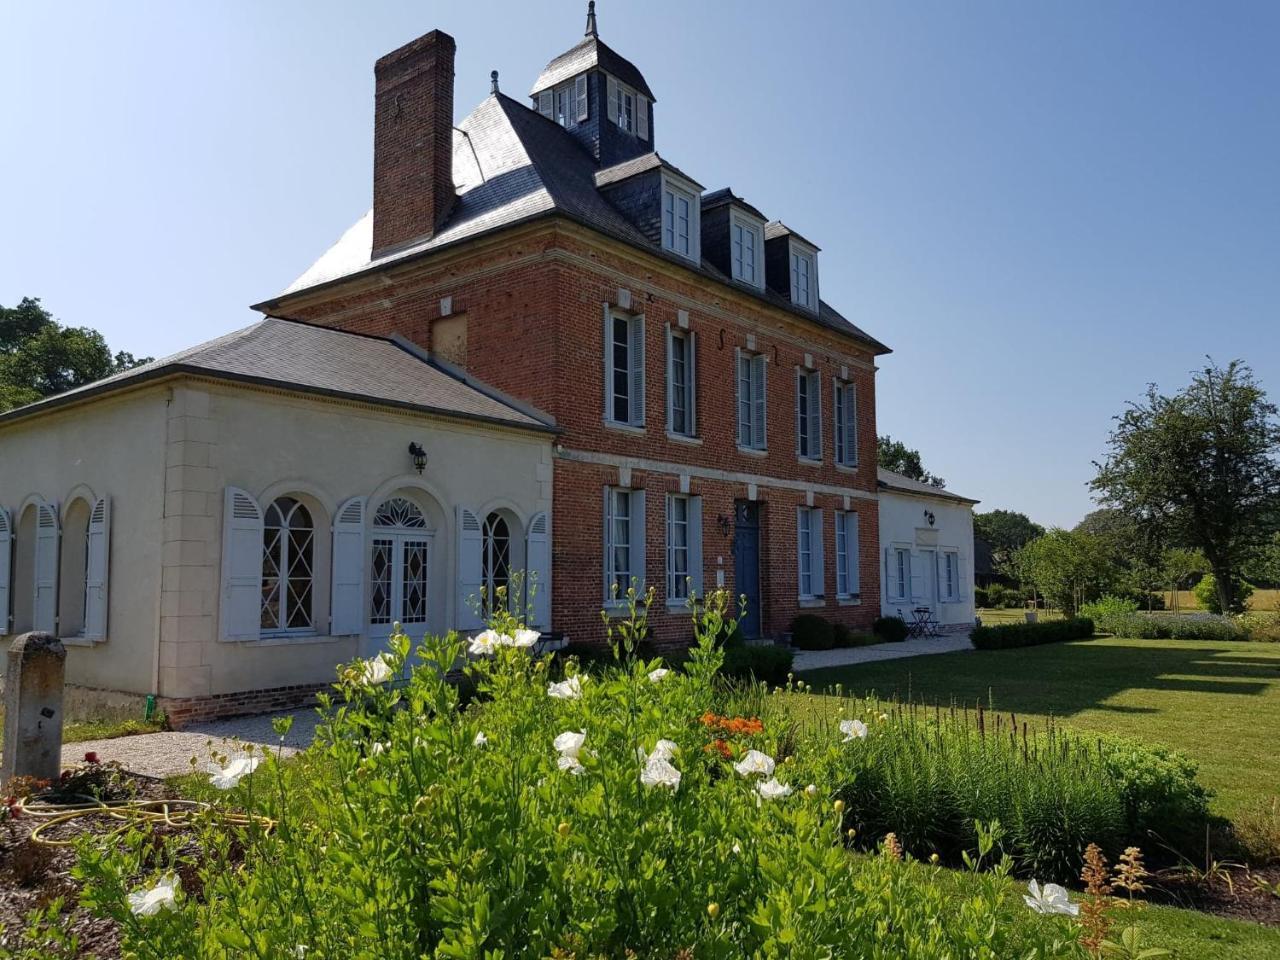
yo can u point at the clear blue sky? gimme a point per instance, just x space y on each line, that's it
1040 207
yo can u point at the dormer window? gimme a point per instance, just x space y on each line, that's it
680 219
628 109
746 249
804 277
565 104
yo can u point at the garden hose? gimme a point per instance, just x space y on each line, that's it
171 813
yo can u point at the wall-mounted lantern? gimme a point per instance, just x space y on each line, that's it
419 456
928 514
723 523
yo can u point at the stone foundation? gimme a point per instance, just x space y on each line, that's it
182 712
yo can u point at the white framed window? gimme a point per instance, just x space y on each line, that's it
809 553
845 404
684 547
565 104
288 568
847 573
897 574
751 400
680 218
623 368
808 414
566 112
949 577
746 250
623 543
682 378
495 562
804 277
626 108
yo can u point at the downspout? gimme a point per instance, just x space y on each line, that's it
164 506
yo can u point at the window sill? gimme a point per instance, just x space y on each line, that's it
812 603
847 467
624 428
81 641
809 461
684 438
753 451
851 601
295 639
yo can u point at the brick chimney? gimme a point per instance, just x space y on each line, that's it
413 141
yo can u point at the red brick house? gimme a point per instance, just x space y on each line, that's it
716 417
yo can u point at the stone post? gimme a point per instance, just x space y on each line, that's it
33 708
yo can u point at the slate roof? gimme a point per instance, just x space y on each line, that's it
590 53
512 165
637 165
888 480
724 195
776 228
325 362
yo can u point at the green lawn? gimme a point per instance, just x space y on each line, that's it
1217 702
78 730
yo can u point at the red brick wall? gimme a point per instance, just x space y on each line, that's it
533 300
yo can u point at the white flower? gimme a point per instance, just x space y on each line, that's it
300 951
571 763
659 772
736 848
483 644
523 638
376 670
658 674
1052 899
378 748
664 750
811 790
224 778
771 789
853 729
755 762
569 743
570 689
480 739
163 896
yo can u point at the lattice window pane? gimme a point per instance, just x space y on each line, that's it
380 563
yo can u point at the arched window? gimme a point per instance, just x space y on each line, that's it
400 512
75 569
398 564
496 559
288 564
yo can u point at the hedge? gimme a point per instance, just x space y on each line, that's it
766 662
1010 635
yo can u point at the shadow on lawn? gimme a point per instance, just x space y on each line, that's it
1062 679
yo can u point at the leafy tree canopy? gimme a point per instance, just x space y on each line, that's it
39 357
897 456
1005 531
1200 468
1068 567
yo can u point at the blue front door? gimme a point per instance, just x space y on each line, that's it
746 564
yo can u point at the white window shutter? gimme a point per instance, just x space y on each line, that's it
607 542
580 96
537 577
890 580
744 427
819 555
97 566
760 384
851 424
964 594
691 363
642 117
607 352
240 615
546 106
635 345
638 577
917 577
346 594
799 383
45 608
6 568
853 548
800 519
671 386
695 545
815 414
611 98
470 571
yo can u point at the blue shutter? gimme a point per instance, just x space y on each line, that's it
346 593
241 608
537 576
97 562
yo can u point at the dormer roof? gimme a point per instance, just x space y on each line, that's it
724 195
591 53
776 228
638 165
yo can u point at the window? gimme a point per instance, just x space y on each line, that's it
627 108
624 543
809 552
808 414
847 555
684 547
949 589
680 214
845 402
566 104
804 279
746 250
288 556
898 581
751 400
681 383
495 561
624 368
398 567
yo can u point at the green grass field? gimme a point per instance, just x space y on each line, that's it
1217 702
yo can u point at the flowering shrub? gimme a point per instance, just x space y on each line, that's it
573 816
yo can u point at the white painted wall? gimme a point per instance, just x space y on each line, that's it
903 524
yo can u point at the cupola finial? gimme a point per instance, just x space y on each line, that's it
591 19
493 80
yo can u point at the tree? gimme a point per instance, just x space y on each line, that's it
1069 568
39 357
897 456
1200 468
1004 531
1178 564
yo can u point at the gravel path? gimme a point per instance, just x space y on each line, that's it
916 647
169 753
